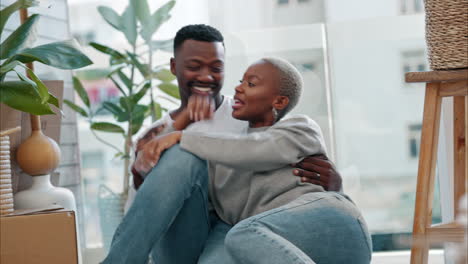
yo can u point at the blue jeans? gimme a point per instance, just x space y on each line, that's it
322 227
169 219
169 216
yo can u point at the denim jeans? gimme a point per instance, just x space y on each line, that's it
169 215
169 219
322 227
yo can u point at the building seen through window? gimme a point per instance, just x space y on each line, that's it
408 7
414 139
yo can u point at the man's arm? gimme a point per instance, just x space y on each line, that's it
318 169
198 108
153 132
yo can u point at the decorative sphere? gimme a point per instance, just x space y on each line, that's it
38 155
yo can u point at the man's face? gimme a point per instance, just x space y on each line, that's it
199 67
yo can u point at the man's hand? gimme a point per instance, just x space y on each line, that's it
149 154
152 133
318 170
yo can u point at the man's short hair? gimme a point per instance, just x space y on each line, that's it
290 84
198 32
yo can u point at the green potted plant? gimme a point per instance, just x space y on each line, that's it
134 73
135 21
30 94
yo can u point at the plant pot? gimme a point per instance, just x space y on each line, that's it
43 194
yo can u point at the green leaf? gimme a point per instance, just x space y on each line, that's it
129 24
139 111
157 19
8 66
75 108
24 97
98 73
170 89
118 86
23 37
63 55
80 90
143 68
110 16
142 11
9 10
118 154
107 127
53 100
158 111
24 78
137 124
137 97
125 80
165 75
138 117
126 104
120 113
41 88
164 45
107 50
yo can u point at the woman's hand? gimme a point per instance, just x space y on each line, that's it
318 169
199 107
149 154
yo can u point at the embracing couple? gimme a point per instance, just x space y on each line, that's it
235 180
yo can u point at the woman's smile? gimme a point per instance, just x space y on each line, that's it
238 103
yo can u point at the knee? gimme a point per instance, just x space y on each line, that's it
238 237
177 168
180 159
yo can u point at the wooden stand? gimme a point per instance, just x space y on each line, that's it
439 84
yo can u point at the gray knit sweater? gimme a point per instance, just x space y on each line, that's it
251 173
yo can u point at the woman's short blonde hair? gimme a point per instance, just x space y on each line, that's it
290 83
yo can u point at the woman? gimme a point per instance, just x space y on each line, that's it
248 186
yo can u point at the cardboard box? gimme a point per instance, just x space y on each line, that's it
39 237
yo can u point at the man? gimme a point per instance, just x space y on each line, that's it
178 185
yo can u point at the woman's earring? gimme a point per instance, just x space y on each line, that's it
275 114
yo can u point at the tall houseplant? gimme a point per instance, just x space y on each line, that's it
133 72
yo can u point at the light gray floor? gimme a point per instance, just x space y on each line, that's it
403 257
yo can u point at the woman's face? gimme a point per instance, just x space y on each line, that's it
256 94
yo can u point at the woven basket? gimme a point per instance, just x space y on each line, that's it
447 33
6 192
111 212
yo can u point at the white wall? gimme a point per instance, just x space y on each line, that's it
343 10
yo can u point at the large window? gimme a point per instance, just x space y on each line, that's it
353 56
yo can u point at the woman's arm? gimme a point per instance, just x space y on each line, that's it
286 142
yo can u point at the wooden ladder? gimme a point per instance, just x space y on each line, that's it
439 84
